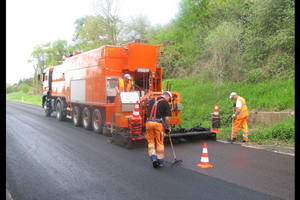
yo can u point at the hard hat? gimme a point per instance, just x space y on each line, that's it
169 93
127 76
232 94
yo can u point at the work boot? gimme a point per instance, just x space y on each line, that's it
244 141
229 139
155 163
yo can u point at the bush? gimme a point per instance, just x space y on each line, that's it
25 88
281 131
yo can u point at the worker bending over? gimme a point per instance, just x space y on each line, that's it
158 111
241 116
124 84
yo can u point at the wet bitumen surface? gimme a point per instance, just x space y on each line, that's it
48 159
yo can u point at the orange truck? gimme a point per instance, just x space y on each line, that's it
82 89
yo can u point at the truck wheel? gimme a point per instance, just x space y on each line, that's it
87 118
47 112
76 116
59 112
97 121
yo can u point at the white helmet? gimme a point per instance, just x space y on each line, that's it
232 94
169 93
127 76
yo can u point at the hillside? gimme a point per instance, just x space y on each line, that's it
199 98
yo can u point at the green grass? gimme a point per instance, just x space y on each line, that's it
282 132
30 99
199 99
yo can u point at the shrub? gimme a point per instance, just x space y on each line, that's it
25 88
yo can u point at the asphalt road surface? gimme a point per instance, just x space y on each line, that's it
48 159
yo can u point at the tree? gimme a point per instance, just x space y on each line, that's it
222 52
109 10
93 34
25 88
138 27
48 54
269 39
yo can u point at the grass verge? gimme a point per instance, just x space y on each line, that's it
199 98
30 99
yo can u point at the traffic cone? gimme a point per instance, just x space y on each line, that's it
136 111
216 113
216 120
135 123
204 163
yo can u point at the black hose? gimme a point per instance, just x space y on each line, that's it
138 88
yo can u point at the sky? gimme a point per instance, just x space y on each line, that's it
33 22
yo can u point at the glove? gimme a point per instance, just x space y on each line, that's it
233 116
168 130
234 105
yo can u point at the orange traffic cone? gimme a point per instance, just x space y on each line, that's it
135 123
136 111
216 120
204 163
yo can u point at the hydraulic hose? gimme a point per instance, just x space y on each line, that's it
138 89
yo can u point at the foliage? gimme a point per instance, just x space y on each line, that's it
284 131
233 40
269 39
215 40
25 88
199 98
138 27
26 84
44 55
27 98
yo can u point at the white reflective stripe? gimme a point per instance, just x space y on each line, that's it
216 113
160 157
152 154
242 112
204 159
204 150
136 113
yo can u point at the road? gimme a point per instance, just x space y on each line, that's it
48 159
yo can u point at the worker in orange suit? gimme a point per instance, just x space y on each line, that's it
124 84
241 116
158 111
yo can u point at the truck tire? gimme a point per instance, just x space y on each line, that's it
76 116
97 121
47 111
59 112
87 118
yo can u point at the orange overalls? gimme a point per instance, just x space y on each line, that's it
154 132
241 119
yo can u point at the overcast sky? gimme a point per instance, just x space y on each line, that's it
33 22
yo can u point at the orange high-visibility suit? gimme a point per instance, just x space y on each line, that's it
241 119
158 109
